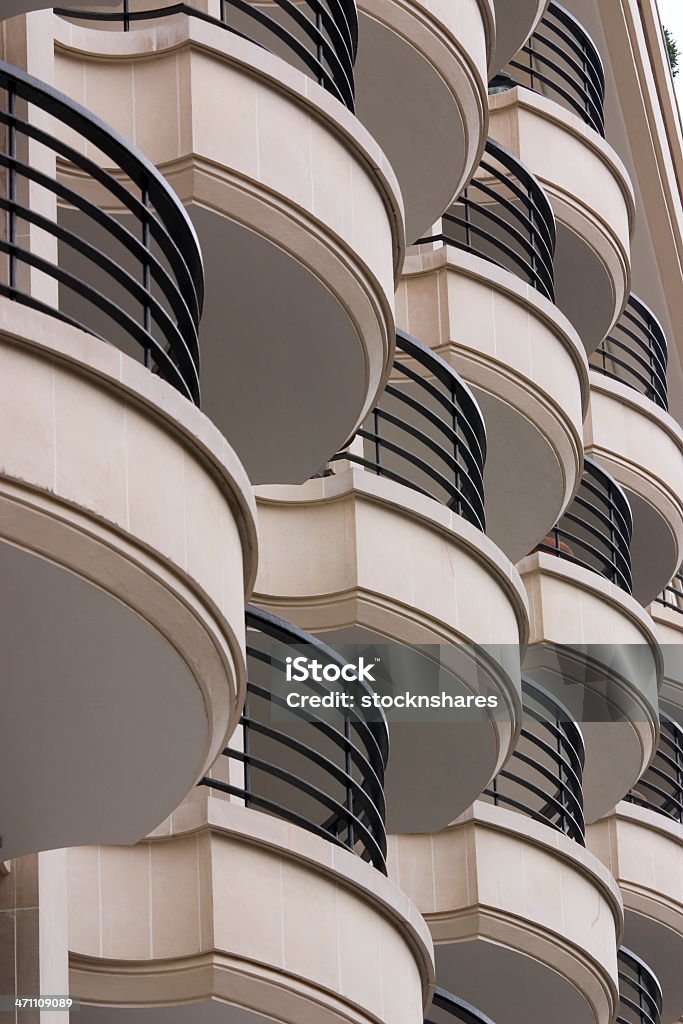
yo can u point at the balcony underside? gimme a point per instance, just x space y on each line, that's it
416 57
514 24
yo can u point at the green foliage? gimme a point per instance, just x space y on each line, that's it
674 52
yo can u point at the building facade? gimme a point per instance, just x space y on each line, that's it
341 513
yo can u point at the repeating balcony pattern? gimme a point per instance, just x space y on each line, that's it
560 60
660 788
323 772
449 1008
319 37
504 216
640 995
133 280
543 778
635 353
427 432
595 531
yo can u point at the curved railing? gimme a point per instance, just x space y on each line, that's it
640 995
544 776
660 788
560 60
426 432
504 216
635 353
453 1009
319 37
133 278
595 531
672 595
323 771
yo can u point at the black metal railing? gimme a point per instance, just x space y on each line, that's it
560 60
672 595
595 531
319 37
635 353
321 770
660 787
640 994
543 778
132 278
427 432
450 1008
504 216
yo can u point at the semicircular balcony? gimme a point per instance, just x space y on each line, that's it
592 644
479 290
641 842
128 525
529 926
667 613
385 552
289 825
549 108
314 211
640 994
629 431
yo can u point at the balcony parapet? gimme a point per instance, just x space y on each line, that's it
640 994
636 353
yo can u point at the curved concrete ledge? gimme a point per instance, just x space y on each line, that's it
522 917
595 648
642 447
11 8
362 559
592 198
669 625
426 55
644 852
528 369
515 22
314 211
145 932
129 542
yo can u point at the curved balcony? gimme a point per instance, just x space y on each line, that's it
543 778
590 193
449 1007
636 353
527 906
128 531
660 787
479 292
592 645
275 218
318 37
640 996
667 612
322 772
386 551
641 844
630 433
561 61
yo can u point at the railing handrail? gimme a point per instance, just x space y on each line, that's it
158 211
349 801
660 787
457 1008
332 34
611 553
577 79
448 468
675 588
561 807
521 236
646 985
639 335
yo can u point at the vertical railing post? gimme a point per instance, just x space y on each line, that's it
146 277
126 15
348 767
12 186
